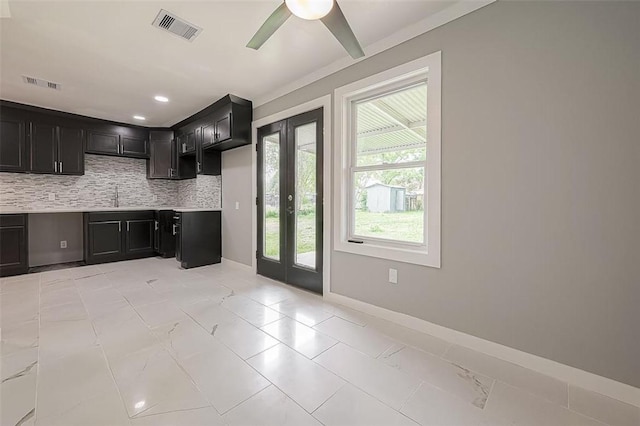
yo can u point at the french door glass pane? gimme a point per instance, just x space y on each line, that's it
305 197
271 191
389 204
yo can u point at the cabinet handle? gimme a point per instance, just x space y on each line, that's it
199 168
127 226
119 226
55 167
173 229
61 167
155 225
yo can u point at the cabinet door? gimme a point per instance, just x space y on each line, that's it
105 241
134 147
13 149
223 128
160 159
187 142
13 250
70 151
156 233
208 135
198 150
43 148
139 237
103 143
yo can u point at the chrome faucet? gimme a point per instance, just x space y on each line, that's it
115 201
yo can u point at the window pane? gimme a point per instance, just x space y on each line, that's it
392 128
389 204
271 191
305 201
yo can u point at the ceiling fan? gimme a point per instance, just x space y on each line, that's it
327 11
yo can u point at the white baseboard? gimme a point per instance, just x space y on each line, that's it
238 265
572 375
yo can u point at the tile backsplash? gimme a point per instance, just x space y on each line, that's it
97 187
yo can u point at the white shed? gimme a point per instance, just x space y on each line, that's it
383 198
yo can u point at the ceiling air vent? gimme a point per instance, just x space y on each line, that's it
175 25
41 83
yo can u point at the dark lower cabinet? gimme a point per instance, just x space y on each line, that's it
139 236
164 234
14 236
104 241
198 238
113 236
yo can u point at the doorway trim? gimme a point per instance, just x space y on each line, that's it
325 103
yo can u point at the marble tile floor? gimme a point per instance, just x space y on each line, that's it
145 343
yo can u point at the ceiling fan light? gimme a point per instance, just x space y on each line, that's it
310 9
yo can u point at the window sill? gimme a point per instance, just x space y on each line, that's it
416 257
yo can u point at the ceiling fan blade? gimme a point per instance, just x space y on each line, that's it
273 22
339 27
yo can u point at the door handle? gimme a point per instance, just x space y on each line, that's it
55 167
290 210
61 167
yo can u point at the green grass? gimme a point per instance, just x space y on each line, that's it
404 226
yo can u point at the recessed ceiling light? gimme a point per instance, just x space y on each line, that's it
139 117
161 98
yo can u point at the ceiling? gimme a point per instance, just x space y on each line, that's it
111 62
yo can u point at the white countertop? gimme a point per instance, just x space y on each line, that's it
17 210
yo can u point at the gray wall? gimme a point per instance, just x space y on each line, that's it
236 231
540 183
45 233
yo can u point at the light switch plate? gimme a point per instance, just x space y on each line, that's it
52 196
237 205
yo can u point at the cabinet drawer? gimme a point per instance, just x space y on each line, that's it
13 219
121 215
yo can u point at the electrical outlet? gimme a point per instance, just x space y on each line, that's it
237 205
393 276
63 244
52 196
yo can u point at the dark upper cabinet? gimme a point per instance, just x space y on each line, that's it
118 140
44 148
187 142
160 164
14 255
13 143
103 143
223 128
56 149
225 124
134 147
70 150
208 134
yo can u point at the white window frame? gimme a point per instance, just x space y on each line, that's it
429 68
